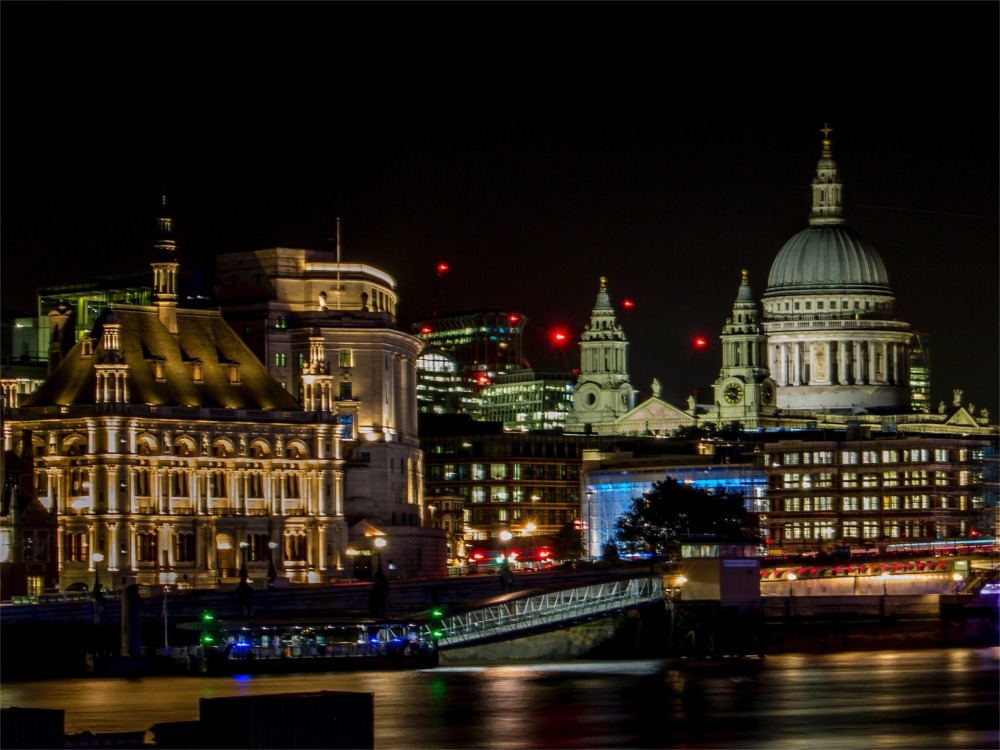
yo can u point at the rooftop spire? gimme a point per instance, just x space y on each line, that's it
165 267
827 191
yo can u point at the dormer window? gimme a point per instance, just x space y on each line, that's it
159 367
87 346
234 373
197 371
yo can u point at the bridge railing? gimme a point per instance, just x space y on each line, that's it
537 611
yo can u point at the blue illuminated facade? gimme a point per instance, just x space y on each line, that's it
610 490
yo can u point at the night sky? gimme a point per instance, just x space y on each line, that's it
533 147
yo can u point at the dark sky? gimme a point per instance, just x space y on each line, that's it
534 147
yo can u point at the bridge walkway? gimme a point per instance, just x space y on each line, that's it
523 613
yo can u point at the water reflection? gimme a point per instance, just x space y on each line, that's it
894 699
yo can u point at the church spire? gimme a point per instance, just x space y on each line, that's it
827 191
165 266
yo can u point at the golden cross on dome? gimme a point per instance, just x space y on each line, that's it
603 282
746 276
826 130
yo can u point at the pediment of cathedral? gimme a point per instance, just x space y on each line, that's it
962 418
656 410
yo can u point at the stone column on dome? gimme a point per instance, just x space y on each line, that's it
872 363
859 363
796 363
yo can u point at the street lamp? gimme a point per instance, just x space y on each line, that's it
351 554
505 574
791 580
957 578
244 546
271 572
97 557
380 542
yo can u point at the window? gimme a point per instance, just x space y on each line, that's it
849 479
302 360
347 422
281 323
498 471
478 472
346 390
280 359
346 358
145 546
295 546
184 549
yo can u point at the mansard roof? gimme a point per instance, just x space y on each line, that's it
193 367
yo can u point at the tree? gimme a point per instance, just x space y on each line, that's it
568 543
672 510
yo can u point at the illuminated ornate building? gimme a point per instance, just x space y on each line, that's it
166 453
832 340
327 331
603 392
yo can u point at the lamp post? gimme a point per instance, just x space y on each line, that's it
380 542
588 543
244 575
97 557
791 580
271 572
505 574
957 578
351 554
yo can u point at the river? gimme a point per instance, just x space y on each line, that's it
934 699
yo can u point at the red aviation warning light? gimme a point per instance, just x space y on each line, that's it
426 329
442 268
483 379
559 337
700 342
513 318
628 304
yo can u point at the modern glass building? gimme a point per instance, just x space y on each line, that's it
484 343
529 399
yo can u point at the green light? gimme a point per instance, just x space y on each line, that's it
437 633
207 617
437 613
207 638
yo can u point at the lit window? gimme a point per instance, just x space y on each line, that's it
346 358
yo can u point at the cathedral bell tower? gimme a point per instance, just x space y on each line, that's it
603 392
744 387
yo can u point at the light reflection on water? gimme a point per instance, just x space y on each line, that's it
944 698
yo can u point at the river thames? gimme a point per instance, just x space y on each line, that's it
935 698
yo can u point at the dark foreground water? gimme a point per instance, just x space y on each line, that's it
943 698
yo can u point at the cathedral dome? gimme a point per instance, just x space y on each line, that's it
827 257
